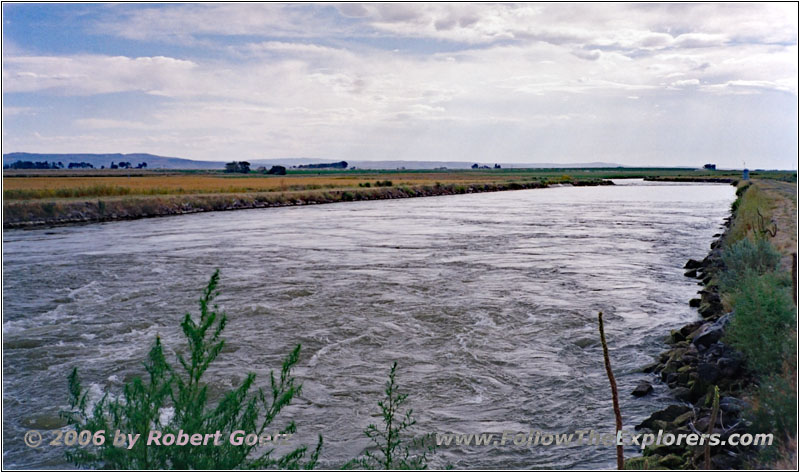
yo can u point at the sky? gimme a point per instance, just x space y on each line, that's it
672 84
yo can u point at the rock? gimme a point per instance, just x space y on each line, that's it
587 341
708 372
690 356
724 461
665 415
729 367
694 303
692 264
642 389
692 273
675 336
650 368
672 461
687 329
639 463
708 311
732 405
697 389
663 450
708 336
702 424
682 394
683 419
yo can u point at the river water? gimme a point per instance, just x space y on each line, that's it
488 302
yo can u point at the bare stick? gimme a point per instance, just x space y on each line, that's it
794 278
614 394
711 425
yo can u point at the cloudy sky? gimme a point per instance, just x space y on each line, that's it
650 84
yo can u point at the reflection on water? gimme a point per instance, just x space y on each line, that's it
487 301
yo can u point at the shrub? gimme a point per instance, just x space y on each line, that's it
392 444
776 406
144 404
745 257
764 316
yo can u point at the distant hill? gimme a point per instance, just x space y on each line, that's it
162 162
97 160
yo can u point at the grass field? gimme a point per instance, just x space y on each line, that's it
47 197
59 184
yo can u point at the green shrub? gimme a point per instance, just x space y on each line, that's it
142 405
392 443
776 409
764 316
745 257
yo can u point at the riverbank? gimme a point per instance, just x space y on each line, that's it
712 353
42 213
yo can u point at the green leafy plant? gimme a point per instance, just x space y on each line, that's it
175 401
393 446
764 316
746 257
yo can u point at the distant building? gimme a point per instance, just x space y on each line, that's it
710 167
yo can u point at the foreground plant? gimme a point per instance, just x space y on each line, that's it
392 443
176 400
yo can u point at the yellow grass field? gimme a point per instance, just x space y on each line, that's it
41 187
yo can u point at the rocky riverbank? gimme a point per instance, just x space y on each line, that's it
697 361
32 213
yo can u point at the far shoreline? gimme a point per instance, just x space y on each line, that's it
36 214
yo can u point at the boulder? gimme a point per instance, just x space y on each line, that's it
708 372
694 303
682 394
663 416
642 389
732 405
650 367
692 264
672 462
724 461
687 329
708 336
729 367
692 273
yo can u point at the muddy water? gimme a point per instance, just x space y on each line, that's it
488 302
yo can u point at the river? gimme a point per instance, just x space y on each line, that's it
488 302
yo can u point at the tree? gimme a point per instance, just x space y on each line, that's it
182 390
475 166
279 170
241 166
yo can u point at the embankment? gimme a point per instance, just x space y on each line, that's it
706 354
39 213
720 180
